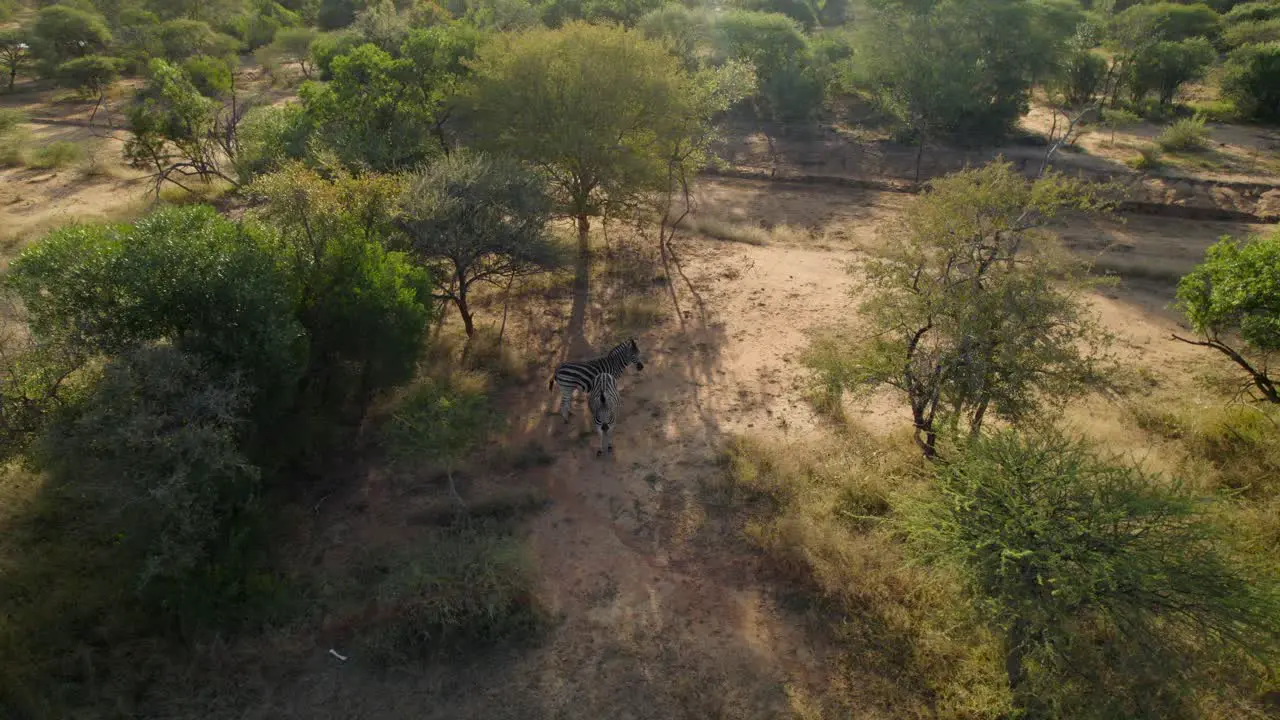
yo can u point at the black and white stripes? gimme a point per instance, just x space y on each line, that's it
603 401
582 375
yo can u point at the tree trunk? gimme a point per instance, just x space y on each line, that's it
584 246
926 437
919 156
581 291
1015 651
465 311
13 75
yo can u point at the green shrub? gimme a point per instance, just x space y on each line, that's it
327 47
1080 76
58 154
1252 80
1184 135
1218 111
182 39
1165 21
152 458
1232 300
779 51
10 120
61 33
269 137
13 138
210 75
1106 584
798 10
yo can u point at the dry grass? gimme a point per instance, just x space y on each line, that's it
822 513
721 229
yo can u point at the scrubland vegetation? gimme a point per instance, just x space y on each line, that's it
374 225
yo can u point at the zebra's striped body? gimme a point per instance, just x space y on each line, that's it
582 375
604 402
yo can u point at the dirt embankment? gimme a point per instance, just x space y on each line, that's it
828 157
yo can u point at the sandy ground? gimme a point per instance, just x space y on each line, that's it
662 611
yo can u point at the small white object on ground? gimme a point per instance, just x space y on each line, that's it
336 654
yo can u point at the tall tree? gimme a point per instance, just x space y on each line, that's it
597 108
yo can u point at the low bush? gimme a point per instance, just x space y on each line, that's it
59 154
1231 447
1185 135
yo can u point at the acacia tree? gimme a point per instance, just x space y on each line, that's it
1234 294
594 107
61 33
15 52
1082 565
975 311
177 131
474 218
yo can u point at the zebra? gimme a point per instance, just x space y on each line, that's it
580 375
604 402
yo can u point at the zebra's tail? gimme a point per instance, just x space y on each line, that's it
552 384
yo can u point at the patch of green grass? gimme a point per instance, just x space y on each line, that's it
1219 111
56 155
1185 135
462 586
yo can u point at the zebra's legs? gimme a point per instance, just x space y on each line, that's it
566 394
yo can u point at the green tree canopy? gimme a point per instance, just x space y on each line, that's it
969 314
1086 566
62 33
91 74
959 68
1252 80
181 39
599 109
1165 66
1233 302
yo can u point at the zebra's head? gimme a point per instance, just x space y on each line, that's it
633 354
